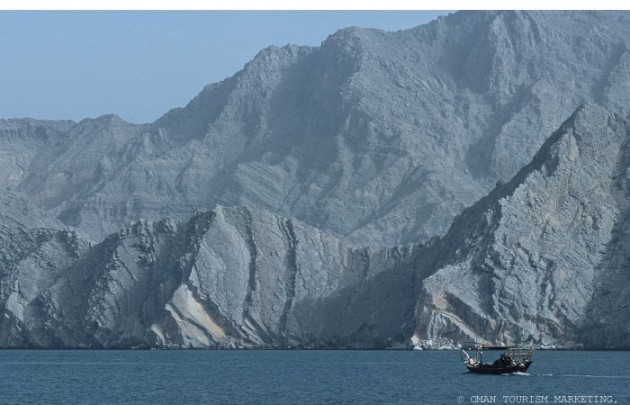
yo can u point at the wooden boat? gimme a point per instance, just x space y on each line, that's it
513 359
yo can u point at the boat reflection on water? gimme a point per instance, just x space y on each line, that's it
511 360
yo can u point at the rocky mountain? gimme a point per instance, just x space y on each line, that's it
317 198
540 259
231 277
378 138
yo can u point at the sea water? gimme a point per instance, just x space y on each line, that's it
303 377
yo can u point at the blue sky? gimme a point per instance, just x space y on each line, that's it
83 64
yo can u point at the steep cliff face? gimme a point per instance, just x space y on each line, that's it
230 277
32 261
540 259
373 139
526 260
379 138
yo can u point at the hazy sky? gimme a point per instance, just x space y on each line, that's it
139 65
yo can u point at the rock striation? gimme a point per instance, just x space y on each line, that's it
317 199
528 263
380 138
231 277
540 260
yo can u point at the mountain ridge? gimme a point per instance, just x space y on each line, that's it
502 273
317 198
546 255
369 119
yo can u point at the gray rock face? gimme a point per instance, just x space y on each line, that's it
379 138
227 278
531 260
540 259
373 139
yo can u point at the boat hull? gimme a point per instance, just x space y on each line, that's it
492 369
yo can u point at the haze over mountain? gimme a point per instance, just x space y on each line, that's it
305 201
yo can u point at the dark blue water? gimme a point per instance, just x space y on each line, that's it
302 377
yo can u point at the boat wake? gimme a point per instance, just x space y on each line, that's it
622 377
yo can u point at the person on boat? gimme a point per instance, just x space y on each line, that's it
503 361
469 360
